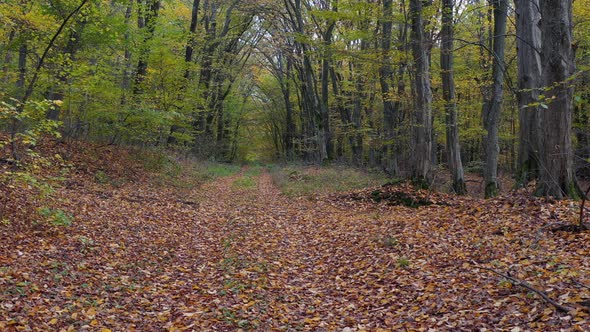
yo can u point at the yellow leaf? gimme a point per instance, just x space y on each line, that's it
311 320
105 330
91 313
53 321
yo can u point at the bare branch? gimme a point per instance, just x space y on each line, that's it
526 285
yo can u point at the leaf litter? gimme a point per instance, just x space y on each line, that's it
139 257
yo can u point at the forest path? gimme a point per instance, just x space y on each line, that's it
235 254
290 262
325 264
328 263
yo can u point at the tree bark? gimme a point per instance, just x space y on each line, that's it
422 126
148 15
557 177
528 44
22 68
390 112
289 121
190 45
325 131
448 85
313 140
127 66
494 105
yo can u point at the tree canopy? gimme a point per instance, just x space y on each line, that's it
363 82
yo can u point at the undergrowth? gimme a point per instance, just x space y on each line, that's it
300 180
182 172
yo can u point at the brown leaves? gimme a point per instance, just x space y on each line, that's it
138 257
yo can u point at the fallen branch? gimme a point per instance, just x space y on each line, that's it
580 284
526 285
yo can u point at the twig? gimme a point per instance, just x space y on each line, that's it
580 284
526 285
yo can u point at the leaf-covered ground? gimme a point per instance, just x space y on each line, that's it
234 253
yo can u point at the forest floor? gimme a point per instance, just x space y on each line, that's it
234 253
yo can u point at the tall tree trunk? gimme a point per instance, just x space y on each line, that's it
325 131
190 45
448 85
528 43
22 68
314 141
147 17
188 59
289 121
422 131
126 81
491 115
390 115
557 177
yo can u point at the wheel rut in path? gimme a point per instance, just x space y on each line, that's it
286 260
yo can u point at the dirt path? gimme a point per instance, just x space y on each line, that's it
326 265
226 257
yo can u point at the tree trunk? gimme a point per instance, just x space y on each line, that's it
422 131
22 68
557 176
528 43
494 105
190 45
448 85
126 81
290 123
148 15
386 79
325 81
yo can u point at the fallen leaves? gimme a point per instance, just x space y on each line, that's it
139 257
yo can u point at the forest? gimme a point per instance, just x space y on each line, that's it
317 165
402 86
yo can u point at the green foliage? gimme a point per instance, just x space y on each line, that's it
56 217
27 128
101 177
297 180
390 241
216 170
86 243
28 125
403 262
93 63
244 182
